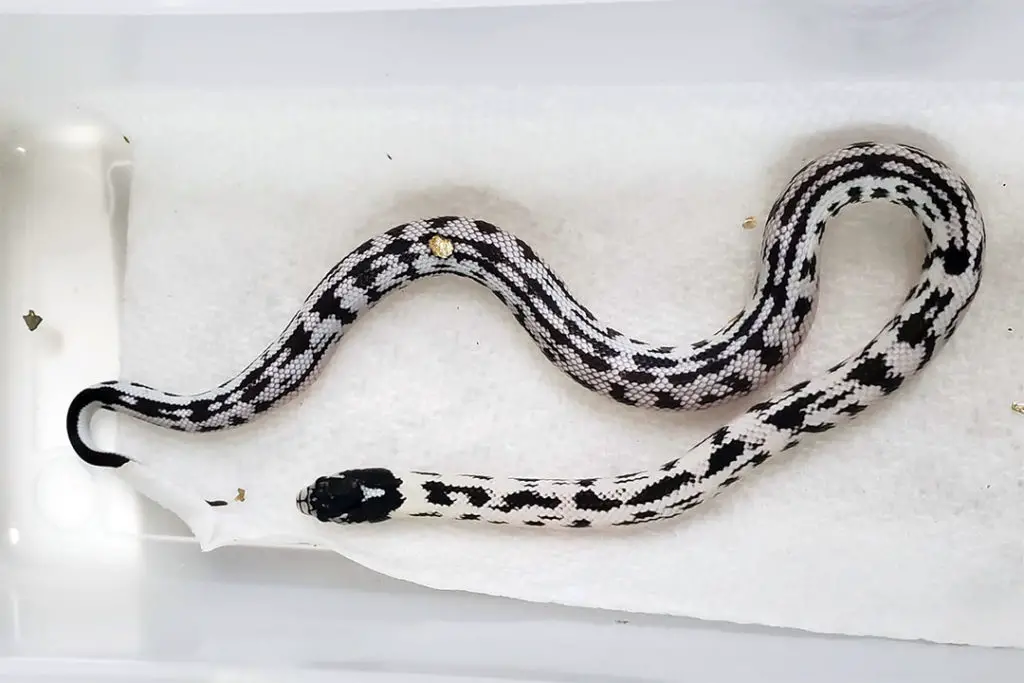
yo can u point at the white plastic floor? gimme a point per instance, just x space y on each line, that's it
90 599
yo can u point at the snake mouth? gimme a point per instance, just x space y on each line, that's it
302 501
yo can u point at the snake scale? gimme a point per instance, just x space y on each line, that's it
733 362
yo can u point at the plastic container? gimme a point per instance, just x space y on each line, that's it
98 601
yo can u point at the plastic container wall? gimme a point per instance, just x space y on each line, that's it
143 603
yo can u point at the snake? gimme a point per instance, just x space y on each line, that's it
738 359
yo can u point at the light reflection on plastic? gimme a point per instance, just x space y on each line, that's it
67 514
79 134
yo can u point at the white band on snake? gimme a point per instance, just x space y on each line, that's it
741 357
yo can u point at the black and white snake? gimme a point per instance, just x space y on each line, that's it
738 359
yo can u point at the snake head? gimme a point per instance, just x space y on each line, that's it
352 496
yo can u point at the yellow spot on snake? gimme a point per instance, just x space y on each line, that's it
441 247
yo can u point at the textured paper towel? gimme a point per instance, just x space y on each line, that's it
907 523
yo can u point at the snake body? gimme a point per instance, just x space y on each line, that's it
733 362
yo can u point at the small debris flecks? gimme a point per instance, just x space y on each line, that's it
622 621
125 138
388 156
749 223
241 496
216 503
1009 329
1017 408
32 320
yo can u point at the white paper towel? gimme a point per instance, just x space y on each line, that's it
908 523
